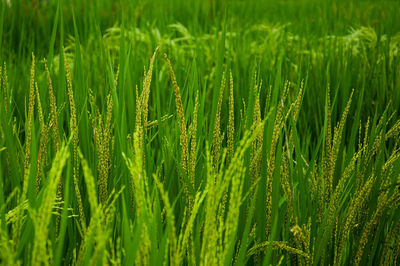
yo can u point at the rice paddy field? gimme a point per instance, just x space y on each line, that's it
199 132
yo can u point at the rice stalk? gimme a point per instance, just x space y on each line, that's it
28 139
53 110
183 138
95 229
277 245
41 158
29 123
287 189
217 139
41 217
142 203
355 206
329 158
271 160
255 157
296 111
103 134
193 147
53 123
75 141
233 212
146 91
208 248
231 118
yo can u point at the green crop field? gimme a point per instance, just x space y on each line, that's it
213 132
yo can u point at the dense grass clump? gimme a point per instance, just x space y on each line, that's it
205 133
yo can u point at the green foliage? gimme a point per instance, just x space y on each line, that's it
266 134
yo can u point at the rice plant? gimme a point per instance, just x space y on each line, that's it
203 133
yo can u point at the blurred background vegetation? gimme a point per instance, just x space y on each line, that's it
348 44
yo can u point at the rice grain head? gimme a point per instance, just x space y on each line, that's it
231 118
75 141
183 138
